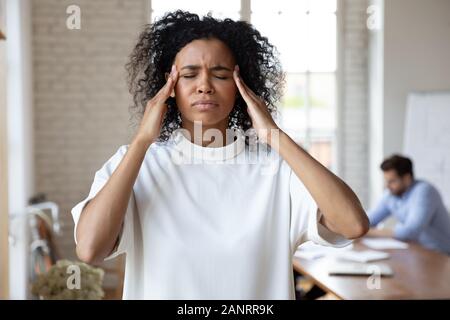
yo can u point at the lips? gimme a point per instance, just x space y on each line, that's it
205 104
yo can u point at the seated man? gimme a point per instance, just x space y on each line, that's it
416 204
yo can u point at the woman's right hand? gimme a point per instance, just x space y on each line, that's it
156 108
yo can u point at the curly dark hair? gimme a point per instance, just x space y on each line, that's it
159 43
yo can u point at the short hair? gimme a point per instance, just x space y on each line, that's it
400 164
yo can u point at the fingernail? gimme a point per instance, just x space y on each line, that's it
172 71
237 68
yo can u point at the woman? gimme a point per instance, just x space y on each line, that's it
202 211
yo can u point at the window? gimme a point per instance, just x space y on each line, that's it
219 9
304 32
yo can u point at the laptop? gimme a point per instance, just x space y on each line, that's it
360 269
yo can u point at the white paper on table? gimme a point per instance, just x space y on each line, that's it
308 255
309 250
364 256
384 243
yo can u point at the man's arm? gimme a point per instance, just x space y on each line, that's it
423 205
382 233
377 215
380 212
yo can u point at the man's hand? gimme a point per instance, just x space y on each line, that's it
380 233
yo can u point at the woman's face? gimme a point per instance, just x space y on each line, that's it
205 90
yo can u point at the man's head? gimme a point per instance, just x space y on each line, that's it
398 173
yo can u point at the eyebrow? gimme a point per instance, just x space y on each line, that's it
215 68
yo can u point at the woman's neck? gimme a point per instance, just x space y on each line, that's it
214 136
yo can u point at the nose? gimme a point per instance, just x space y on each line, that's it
205 90
204 86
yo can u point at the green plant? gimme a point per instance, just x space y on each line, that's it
70 280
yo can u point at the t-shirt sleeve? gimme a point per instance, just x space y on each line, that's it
100 179
305 217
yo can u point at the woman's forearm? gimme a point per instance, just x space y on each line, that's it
102 218
341 209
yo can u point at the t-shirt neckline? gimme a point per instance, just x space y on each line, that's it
192 150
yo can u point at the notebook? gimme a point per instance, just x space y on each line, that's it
360 269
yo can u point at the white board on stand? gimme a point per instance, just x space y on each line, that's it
427 139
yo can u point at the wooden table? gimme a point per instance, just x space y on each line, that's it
418 274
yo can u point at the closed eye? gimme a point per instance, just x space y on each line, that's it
190 76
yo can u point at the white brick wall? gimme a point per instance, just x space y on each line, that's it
354 109
80 95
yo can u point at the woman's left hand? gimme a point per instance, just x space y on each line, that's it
262 120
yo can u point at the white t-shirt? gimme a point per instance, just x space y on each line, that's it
212 223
